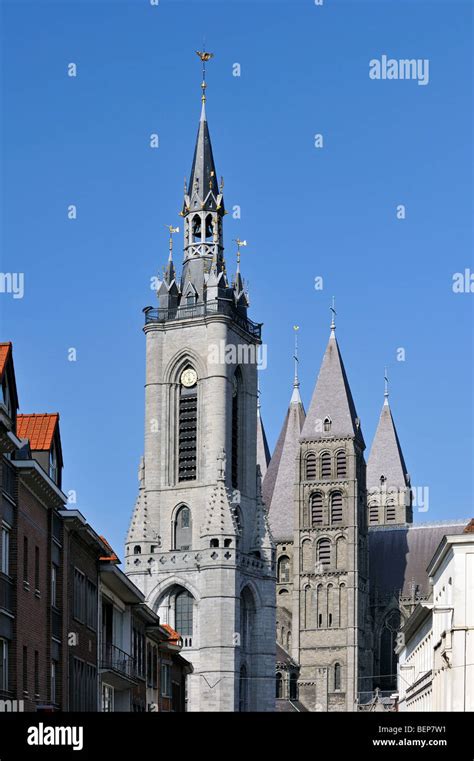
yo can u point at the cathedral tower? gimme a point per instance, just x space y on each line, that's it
388 483
198 544
330 569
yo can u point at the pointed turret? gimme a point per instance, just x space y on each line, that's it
263 451
388 482
332 410
279 482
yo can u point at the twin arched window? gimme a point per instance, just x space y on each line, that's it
317 509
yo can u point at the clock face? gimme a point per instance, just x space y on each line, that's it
188 377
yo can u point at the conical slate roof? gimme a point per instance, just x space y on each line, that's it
263 451
386 457
279 482
332 398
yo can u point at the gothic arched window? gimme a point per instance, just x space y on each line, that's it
325 465
196 229
284 569
209 228
336 507
183 529
341 465
184 614
316 502
311 467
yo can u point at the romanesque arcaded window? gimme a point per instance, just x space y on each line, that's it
324 552
284 569
311 467
316 505
341 465
325 465
336 507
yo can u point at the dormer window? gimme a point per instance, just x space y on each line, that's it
382 480
5 397
327 424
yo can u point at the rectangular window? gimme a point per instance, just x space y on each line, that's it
54 585
165 680
91 605
5 567
37 568
107 698
25 669
25 559
79 596
54 673
37 689
4 664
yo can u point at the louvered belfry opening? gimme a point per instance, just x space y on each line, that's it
311 467
316 509
341 465
336 507
187 458
325 465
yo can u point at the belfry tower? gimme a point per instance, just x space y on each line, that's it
198 544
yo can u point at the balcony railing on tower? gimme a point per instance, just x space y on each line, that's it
203 310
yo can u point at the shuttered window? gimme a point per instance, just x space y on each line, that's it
187 457
311 467
341 465
325 465
336 507
316 501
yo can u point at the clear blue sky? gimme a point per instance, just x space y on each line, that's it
305 212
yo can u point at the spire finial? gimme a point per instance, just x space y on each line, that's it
386 386
239 244
172 230
333 315
204 56
296 382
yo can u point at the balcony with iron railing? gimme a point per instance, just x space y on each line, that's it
154 315
119 664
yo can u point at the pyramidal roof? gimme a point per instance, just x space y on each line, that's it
332 398
386 457
278 485
263 451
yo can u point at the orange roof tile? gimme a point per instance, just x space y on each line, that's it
38 428
174 637
470 527
112 557
5 349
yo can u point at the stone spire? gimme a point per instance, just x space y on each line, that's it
279 481
203 211
386 459
332 411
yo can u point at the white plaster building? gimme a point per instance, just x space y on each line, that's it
436 649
